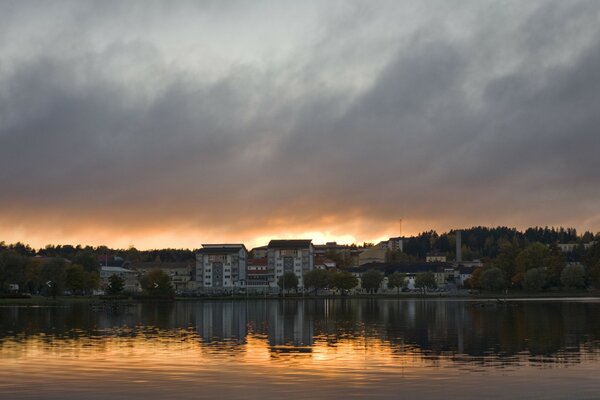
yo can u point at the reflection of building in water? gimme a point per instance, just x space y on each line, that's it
290 327
222 321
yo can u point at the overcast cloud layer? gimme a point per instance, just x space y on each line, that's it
160 123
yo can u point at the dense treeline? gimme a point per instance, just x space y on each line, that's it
536 266
54 269
482 242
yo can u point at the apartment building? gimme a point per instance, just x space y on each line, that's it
221 268
295 256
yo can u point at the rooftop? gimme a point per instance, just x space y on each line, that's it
290 244
225 249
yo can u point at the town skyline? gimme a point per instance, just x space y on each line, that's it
317 240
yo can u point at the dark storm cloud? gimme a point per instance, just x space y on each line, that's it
485 118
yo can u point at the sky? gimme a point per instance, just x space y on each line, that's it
171 124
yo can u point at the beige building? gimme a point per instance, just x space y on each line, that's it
130 278
373 254
181 273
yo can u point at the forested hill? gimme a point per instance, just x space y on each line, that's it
70 252
483 242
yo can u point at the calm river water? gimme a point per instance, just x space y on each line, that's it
313 349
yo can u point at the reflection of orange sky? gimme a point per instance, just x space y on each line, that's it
187 352
168 363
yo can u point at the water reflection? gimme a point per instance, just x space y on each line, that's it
335 342
476 329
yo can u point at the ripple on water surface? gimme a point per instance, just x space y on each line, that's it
303 349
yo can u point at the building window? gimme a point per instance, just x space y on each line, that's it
217 258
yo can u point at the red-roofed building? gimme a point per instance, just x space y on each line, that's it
324 263
259 277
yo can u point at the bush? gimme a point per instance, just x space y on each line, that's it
492 279
534 279
573 276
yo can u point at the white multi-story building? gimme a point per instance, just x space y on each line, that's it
221 268
396 244
295 256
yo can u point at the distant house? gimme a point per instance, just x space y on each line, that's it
324 263
259 252
570 247
333 247
130 277
221 268
464 272
295 256
182 273
435 257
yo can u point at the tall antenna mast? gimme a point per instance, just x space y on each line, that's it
400 223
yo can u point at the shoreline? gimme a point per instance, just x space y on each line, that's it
68 300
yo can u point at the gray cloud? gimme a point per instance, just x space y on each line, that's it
158 119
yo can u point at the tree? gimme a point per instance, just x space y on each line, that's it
116 284
76 278
87 260
371 280
492 279
396 280
593 274
425 280
554 265
534 279
288 281
506 259
92 281
53 275
573 276
473 281
157 283
533 256
12 270
33 276
317 279
343 281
